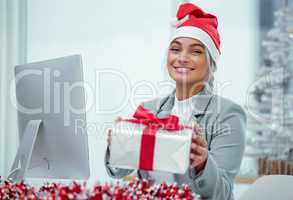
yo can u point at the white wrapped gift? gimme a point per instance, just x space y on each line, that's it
129 149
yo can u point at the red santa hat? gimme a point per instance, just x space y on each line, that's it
191 21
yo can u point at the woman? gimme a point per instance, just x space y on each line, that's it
218 145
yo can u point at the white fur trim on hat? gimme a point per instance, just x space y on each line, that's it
175 22
199 34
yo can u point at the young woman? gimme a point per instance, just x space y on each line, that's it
218 145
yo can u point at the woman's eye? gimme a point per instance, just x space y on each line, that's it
197 51
174 49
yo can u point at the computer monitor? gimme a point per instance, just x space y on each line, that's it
50 98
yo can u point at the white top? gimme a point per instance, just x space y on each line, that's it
182 109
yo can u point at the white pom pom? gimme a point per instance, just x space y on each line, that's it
174 22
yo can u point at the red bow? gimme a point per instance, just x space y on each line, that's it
144 116
153 123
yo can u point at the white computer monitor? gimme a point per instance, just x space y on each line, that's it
50 98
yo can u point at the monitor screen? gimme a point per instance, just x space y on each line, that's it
53 91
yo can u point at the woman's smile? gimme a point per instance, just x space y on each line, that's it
182 69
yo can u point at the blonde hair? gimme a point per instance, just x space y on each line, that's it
212 68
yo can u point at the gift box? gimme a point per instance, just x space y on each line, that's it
150 143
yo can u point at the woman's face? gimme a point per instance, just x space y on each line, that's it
187 61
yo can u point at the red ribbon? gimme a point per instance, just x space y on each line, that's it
152 123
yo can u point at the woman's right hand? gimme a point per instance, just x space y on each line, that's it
109 138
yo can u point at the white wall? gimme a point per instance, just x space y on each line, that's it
12 52
131 37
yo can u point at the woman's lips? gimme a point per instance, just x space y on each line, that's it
183 70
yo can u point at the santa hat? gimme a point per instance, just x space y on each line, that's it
191 21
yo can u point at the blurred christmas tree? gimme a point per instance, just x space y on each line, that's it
271 112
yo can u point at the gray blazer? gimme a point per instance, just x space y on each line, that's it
224 125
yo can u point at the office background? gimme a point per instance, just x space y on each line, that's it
130 39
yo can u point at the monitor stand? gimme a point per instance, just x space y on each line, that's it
24 153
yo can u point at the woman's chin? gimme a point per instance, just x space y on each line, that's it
182 79
186 80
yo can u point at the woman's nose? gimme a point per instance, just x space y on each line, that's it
183 57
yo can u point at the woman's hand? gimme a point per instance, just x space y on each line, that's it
109 138
199 150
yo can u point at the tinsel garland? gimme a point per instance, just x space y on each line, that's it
131 190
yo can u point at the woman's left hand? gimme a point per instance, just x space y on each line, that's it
199 151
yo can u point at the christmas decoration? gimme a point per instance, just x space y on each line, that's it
133 190
271 116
